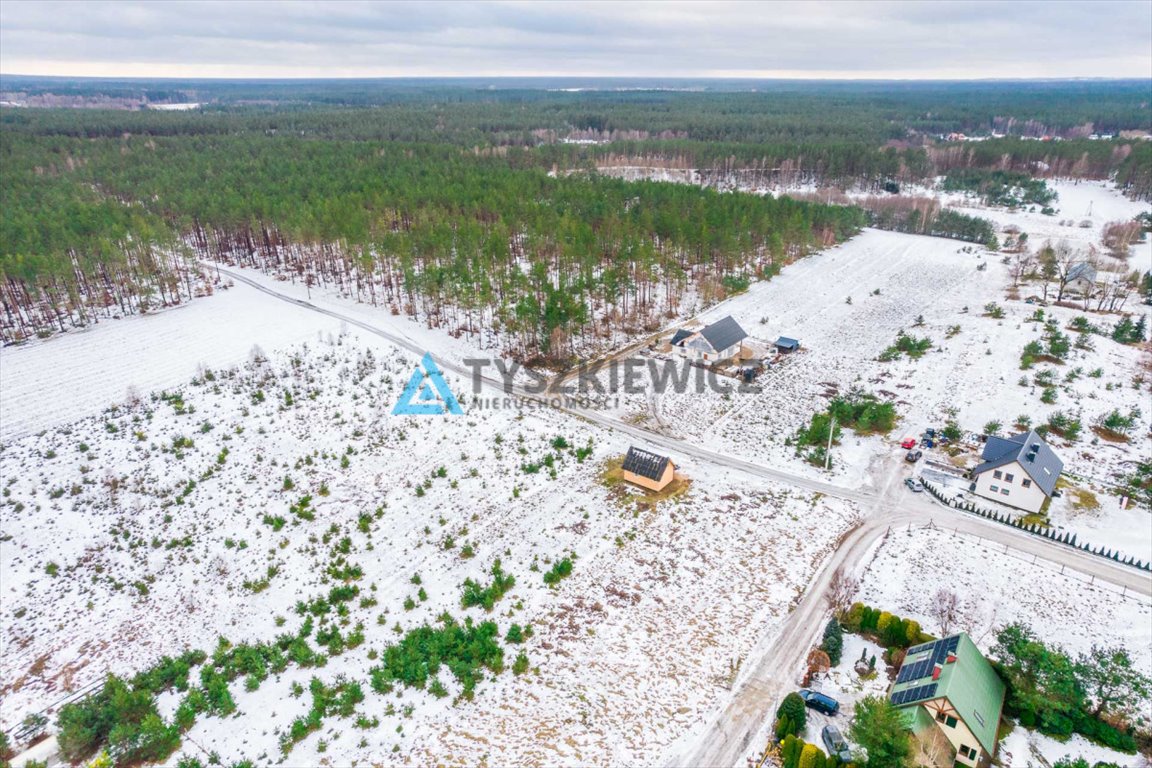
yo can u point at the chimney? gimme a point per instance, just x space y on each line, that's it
936 670
951 659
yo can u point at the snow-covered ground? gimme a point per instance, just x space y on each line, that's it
1023 748
999 588
1077 202
844 685
72 375
122 542
927 287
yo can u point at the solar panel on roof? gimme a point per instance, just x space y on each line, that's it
924 692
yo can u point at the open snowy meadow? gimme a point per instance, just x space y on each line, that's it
233 505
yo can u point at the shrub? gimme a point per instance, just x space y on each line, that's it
465 649
559 571
793 710
833 644
475 594
811 757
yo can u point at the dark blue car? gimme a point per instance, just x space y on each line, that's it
820 702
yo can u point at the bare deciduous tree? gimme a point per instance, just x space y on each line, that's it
1021 265
1064 258
841 589
945 610
1118 236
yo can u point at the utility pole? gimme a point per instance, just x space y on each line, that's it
828 452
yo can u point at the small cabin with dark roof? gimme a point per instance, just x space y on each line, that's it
784 345
648 470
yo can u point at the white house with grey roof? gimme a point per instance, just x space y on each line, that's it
1081 278
1020 471
719 341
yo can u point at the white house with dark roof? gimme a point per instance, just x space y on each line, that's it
1020 471
1081 278
720 340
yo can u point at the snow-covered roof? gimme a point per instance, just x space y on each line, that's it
1030 451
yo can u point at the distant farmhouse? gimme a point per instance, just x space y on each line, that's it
719 341
951 700
1081 279
648 470
1020 471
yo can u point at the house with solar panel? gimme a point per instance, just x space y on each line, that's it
1020 471
951 700
719 341
648 470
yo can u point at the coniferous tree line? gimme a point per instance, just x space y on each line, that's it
460 205
462 241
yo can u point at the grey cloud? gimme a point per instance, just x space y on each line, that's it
894 39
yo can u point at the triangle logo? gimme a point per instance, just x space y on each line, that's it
427 393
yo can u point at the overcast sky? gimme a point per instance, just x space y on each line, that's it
857 39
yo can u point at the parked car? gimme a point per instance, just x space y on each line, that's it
909 442
914 484
835 744
819 702
913 456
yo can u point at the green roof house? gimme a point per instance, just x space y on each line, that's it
951 699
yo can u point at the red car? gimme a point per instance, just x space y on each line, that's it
909 442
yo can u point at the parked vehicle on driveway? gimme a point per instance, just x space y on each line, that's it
835 744
913 456
909 442
914 484
819 702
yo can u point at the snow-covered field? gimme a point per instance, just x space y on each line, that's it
1094 202
72 375
999 588
122 541
927 287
